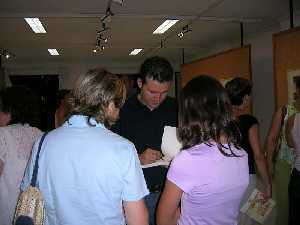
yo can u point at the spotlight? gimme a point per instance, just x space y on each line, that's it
184 30
5 53
180 34
101 37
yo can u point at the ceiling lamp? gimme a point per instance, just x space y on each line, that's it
53 51
135 51
165 26
185 30
36 25
5 53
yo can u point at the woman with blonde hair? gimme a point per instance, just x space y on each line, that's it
88 174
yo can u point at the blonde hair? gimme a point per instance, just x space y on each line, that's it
94 91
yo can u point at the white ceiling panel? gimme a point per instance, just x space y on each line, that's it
72 26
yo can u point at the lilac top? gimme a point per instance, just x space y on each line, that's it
212 184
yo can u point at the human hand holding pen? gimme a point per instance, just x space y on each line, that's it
149 156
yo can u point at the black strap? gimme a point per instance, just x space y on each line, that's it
36 164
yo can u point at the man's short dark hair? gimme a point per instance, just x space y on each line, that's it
156 68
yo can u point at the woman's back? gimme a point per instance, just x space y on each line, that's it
16 142
212 184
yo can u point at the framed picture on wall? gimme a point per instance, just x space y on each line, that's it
292 76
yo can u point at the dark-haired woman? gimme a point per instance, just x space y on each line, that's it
210 175
239 91
19 114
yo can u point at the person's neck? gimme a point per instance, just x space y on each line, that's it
237 111
144 103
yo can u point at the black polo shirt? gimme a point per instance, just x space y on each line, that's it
145 128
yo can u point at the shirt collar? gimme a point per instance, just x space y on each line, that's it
81 121
138 104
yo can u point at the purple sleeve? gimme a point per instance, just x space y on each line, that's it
180 171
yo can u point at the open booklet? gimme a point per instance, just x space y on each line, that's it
256 208
170 147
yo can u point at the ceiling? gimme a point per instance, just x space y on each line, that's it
72 27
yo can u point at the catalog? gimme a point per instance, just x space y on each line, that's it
170 147
257 208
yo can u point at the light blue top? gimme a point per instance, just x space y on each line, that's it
85 172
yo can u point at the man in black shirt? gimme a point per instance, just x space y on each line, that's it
142 121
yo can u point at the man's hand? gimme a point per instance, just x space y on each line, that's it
149 156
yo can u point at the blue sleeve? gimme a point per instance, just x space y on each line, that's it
134 184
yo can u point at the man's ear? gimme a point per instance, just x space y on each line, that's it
111 107
139 83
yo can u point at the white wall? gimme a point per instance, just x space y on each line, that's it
262 78
263 74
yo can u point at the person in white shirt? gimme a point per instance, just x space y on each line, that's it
292 134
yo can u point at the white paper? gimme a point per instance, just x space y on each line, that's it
160 162
256 208
170 147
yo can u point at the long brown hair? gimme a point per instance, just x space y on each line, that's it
205 114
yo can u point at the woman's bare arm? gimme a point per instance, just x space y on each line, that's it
168 210
272 138
136 212
260 160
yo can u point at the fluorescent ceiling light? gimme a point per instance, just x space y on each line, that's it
35 25
165 26
53 51
135 51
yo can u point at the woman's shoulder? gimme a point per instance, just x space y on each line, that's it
29 130
24 132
